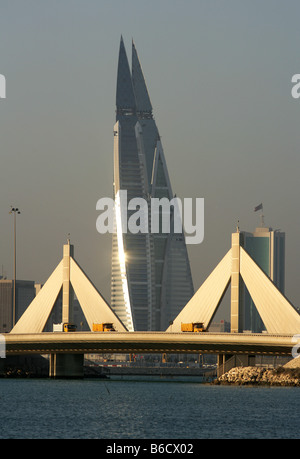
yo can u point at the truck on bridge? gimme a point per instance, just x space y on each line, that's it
64 327
195 327
104 327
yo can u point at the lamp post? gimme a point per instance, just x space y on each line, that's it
15 211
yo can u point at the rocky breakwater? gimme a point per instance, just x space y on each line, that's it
261 376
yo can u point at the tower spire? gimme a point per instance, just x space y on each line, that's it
125 99
143 102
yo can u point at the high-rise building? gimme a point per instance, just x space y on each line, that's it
151 276
25 292
267 248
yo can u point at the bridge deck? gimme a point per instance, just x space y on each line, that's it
148 342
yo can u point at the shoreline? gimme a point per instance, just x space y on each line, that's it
256 376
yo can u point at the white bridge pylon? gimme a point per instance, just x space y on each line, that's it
66 275
277 313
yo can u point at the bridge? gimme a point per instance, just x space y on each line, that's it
66 350
149 342
239 347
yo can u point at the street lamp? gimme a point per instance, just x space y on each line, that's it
15 211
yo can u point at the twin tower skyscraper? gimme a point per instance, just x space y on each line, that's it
151 277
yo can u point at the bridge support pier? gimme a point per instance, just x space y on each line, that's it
2 367
66 366
228 361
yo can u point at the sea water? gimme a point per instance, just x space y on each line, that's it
145 409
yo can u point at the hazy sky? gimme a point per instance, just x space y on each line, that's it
219 77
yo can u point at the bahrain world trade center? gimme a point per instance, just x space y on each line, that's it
151 275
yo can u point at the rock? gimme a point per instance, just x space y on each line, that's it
256 375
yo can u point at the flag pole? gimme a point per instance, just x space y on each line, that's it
262 221
260 207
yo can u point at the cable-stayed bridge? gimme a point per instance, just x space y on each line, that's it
281 319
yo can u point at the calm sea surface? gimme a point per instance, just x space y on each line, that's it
109 409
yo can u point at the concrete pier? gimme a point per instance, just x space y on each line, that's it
66 366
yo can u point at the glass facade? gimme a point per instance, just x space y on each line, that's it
267 248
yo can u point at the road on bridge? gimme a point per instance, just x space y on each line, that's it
148 342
